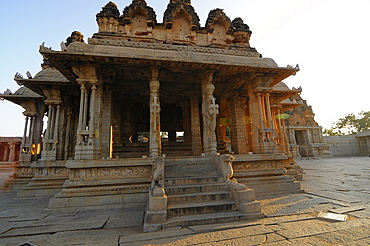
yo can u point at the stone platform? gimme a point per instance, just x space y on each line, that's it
7 170
338 185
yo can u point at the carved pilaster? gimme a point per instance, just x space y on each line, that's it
239 142
11 152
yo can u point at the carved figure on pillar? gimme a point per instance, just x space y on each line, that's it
210 111
155 110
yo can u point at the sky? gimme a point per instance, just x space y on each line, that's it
328 39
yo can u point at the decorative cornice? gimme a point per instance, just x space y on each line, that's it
160 46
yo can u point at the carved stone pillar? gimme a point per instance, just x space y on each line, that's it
11 152
155 110
196 139
68 130
268 130
51 138
107 113
186 120
88 134
255 114
209 112
24 139
6 153
239 141
28 144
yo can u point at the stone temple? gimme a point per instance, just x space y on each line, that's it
175 118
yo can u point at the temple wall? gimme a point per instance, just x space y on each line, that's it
346 145
349 145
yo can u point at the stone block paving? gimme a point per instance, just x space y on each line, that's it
337 185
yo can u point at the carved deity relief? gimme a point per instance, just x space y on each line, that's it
228 166
154 99
213 107
210 111
158 171
155 128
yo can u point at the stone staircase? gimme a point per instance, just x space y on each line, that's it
197 194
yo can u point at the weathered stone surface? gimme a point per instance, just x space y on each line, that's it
344 210
123 226
316 230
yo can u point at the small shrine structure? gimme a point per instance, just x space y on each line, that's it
305 135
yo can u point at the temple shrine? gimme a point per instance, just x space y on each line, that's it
178 119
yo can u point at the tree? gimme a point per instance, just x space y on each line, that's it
350 124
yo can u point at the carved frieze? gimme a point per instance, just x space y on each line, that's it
244 51
52 172
256 165
111 173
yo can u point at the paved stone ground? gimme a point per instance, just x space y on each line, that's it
338 185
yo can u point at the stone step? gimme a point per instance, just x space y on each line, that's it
204 167
200 208
213 218
170 182
183 189
199 173
176 147
200 197
177 152
189 161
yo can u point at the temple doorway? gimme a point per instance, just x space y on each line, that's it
302 140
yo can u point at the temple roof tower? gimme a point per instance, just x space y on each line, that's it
181 7
137 8
109 10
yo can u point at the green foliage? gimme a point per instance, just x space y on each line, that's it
350 124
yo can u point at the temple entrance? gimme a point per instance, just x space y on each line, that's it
305 148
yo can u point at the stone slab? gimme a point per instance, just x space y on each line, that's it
119 220
256 235
337 196
224 226
154 235
41 228
38 240
344 210
316 230
342 237
87 237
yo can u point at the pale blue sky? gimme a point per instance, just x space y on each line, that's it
328 39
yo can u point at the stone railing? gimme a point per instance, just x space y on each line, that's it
156 213
244 197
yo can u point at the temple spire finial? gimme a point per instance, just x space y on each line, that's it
139 2
181 1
